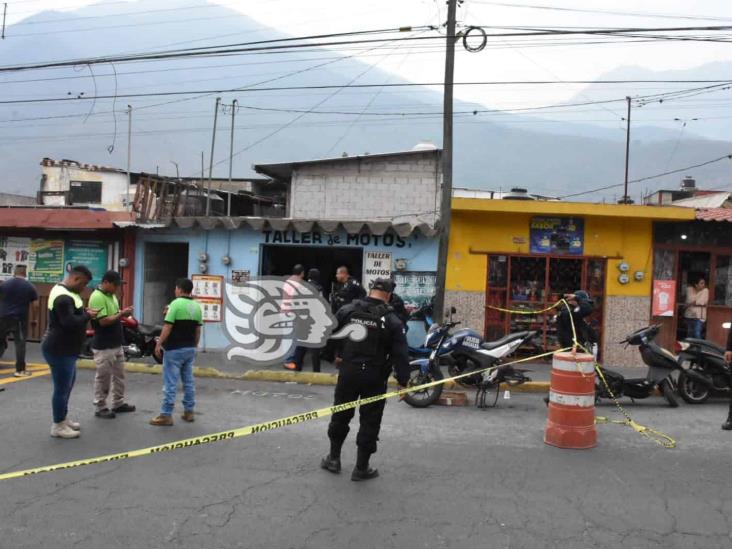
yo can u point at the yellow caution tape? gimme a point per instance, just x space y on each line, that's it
250 429
524 311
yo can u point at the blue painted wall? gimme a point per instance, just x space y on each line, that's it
244 246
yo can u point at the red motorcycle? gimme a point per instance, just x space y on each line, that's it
139 340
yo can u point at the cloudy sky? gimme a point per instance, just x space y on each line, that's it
507 59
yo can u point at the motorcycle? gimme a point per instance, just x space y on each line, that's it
661 365
707 371
139 340
424 315
464 351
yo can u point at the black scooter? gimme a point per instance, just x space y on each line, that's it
704 370
661 364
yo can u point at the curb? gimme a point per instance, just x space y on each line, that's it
301 378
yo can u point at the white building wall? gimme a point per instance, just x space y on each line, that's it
58 179
365 188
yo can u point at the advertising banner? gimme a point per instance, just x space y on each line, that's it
416 288
557 235
13 251
664 297
47 260
94 254
375 265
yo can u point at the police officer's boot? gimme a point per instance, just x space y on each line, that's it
362 471
727 425
332 462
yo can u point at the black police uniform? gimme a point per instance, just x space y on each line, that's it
585 333
728 424
344 293
363 373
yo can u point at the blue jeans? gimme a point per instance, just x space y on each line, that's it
178 364
694 327
63 373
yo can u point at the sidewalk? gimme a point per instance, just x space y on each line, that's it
214 364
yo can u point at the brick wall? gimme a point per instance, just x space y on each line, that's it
368 188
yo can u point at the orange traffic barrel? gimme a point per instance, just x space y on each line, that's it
571 418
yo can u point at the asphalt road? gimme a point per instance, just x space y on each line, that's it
451 477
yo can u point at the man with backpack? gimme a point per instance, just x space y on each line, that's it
364 368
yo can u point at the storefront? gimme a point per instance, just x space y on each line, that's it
233 250
49 241
523 255
684 253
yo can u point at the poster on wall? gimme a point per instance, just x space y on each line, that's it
238 278
211 309
375 265
208 291
664 297
94 254
557 235
13 251
416 288
46 260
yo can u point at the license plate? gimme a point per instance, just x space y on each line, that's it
471 342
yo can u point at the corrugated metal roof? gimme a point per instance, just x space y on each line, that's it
401 228
706 201
714 214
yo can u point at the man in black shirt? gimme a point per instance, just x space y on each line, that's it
364 368
67 320
345 289
16 295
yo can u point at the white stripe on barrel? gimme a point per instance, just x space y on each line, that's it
575 367
582 401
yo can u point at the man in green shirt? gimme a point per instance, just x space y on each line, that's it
179 338
107 347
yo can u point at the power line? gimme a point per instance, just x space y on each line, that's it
686 168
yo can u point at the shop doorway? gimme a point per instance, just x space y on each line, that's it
165 262
279 260
532 283
691 266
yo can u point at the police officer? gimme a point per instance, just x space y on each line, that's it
345 289
581 306
397 303
728 358
364 367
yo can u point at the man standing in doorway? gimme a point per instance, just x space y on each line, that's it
294 361
345 290
16 295
179 338
107 347
695 313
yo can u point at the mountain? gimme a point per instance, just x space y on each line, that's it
490 152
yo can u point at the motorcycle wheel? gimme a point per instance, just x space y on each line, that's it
691 391
667 390
425 397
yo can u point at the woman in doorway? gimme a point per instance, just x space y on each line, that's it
695 313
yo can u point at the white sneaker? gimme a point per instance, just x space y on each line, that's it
61 430
74 425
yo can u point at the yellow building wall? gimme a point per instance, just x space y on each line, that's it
618 239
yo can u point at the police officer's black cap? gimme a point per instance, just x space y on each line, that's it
384 284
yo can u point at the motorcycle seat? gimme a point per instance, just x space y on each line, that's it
490 345
146 329
704 344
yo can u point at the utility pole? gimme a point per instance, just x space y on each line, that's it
231 156
626 199
129 156
210 165
177 170
5 13
446 199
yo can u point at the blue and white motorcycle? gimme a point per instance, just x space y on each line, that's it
464 351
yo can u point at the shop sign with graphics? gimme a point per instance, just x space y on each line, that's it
557 235
664 297
92 253
13 251
47 260
376 265
317 238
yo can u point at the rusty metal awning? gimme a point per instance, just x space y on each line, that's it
402 228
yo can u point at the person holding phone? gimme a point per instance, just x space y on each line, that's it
62 343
